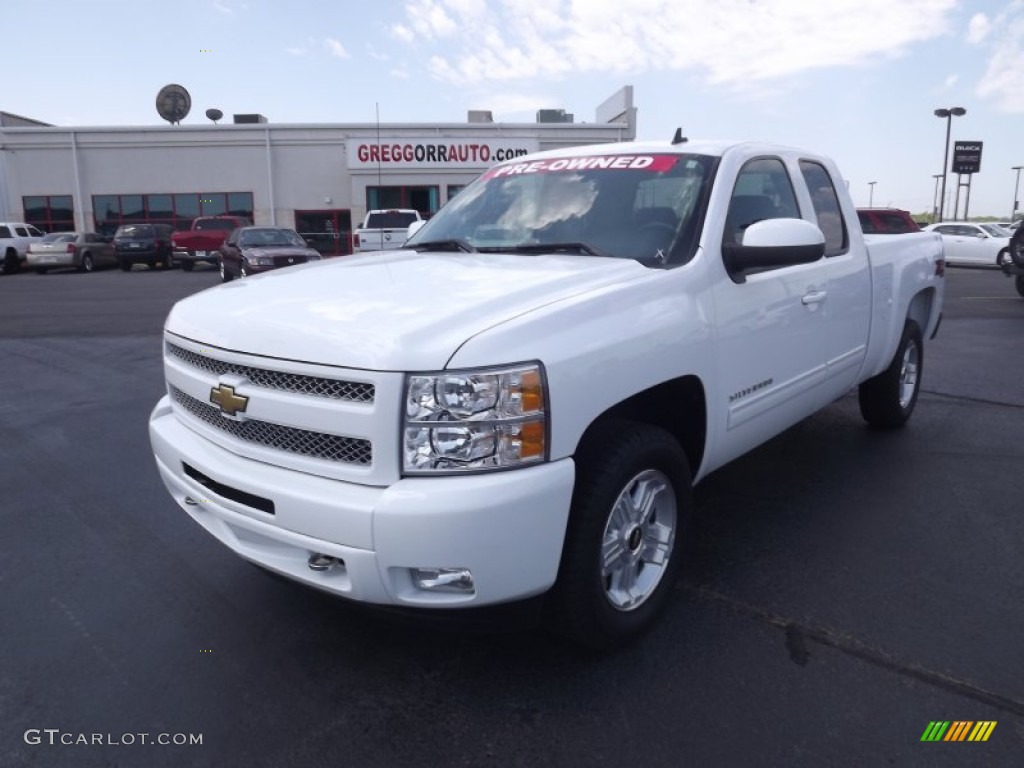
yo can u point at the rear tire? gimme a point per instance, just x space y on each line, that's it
126 266
12 263
1020 284
187 265
86 265
1004 259
622 551
888 399
41 270
1017 253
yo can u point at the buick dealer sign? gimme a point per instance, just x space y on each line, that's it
967 157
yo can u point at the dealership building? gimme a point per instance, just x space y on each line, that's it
319 179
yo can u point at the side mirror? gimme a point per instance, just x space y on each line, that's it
415 227
773 243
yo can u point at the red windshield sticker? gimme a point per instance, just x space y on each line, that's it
653 163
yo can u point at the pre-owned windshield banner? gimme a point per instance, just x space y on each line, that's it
653 163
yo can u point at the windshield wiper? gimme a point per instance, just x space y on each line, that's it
572 247
443 245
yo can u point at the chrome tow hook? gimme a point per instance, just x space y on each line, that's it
319 562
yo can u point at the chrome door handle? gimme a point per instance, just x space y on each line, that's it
814 297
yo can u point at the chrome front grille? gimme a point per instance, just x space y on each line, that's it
348 450
353 391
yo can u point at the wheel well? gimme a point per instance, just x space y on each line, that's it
920 309
678 406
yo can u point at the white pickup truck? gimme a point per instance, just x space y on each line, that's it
518 403
384 229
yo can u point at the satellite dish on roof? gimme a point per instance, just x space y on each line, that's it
173 103
214 114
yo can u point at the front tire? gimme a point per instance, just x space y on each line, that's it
621 556
187 265
225 276
1020 284
888 399
126 266
1004 259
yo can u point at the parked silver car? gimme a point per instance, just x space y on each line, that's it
966 242
82 250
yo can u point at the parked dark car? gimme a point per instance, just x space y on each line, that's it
143 244
886 221
81 250
250 250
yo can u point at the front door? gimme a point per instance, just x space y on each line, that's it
327 231
770 326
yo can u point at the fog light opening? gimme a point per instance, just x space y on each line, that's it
458 580
319 562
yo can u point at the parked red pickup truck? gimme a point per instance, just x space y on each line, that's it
201 242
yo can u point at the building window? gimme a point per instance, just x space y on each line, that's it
50 213
454 189
111 211
426 200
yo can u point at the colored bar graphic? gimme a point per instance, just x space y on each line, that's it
958 730
935 730
982 730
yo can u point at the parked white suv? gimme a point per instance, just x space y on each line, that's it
14 241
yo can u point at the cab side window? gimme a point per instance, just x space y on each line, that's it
763 191
826 207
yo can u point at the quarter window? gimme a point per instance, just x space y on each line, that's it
826 207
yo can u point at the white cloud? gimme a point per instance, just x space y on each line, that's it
729 42
430 20
400 73
227 6
373 53
1005 43
403 33
978 28
950 81
336 49
297 51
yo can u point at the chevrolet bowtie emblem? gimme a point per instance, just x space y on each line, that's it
229 403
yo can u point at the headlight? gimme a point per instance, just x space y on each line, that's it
260 261
475 420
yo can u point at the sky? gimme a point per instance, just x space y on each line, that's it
858 80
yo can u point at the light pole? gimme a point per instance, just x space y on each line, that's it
1016 188
871 194
935 198
949 114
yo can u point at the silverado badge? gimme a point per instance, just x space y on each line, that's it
230 404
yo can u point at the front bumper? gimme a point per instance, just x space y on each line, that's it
506 527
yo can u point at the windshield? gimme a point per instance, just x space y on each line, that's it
646 207
266 237
995 230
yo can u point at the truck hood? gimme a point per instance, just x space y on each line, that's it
386 311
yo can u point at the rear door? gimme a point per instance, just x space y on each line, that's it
847 307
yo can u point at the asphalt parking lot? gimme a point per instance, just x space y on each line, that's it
846 587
